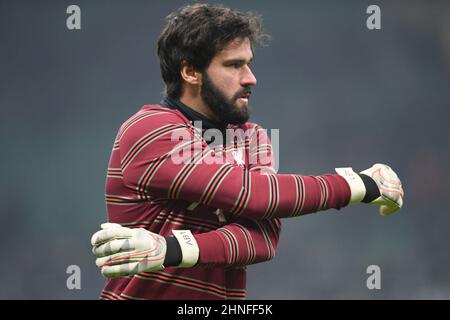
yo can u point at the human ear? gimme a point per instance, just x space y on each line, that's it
189 74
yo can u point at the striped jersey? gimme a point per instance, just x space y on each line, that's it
163 175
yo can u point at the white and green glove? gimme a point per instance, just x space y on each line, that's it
377 185
123 252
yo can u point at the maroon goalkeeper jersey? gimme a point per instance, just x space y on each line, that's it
163 175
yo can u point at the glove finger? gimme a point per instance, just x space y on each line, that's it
400 202
104 226
390 206
107 225
122 270
112 247
129 256
131 268
105 235
116 259
388 210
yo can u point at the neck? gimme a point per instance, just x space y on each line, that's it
198 105
191 114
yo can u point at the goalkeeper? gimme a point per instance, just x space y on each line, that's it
186 227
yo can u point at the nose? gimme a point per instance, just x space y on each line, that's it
248 78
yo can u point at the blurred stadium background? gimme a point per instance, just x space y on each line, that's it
339 93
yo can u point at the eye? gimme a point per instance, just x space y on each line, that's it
237 64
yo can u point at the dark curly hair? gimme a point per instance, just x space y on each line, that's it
196 33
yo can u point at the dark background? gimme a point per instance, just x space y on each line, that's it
340 94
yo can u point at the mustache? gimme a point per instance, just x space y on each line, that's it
244 91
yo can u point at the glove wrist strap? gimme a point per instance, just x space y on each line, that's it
372 190
173 253
189 248
356 184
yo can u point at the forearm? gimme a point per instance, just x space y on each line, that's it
244 242
262 197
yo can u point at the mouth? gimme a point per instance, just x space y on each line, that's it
245 96
243 99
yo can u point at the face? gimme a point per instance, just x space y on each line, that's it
227 82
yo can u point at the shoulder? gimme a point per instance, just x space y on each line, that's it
149 118
160 113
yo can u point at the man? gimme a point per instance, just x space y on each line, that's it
186 218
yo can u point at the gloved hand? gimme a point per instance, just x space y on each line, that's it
377 185
122 251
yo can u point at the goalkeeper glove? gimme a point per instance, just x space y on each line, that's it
122 251
377 185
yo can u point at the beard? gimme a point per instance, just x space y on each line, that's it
225 110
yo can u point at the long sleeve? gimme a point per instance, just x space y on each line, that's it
243 242
163 157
